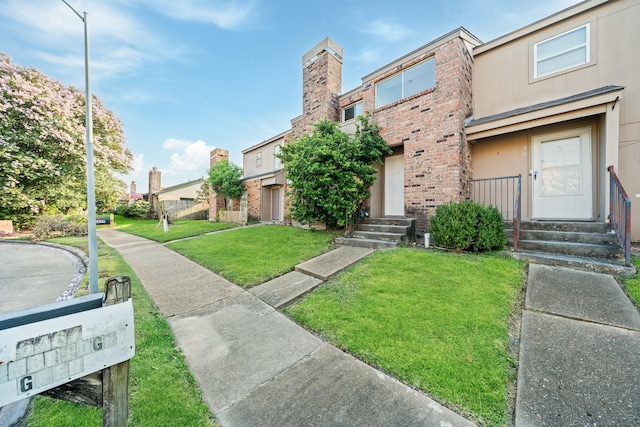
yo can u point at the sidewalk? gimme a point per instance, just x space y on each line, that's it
579 353
257 367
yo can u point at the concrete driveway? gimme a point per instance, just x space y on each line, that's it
32 275
36 274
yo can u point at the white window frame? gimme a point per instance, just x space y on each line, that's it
586 45
276 160
358 111
259 159
400 75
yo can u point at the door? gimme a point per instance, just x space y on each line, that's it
394 185
561 175
275 204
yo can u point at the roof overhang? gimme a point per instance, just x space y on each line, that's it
569 108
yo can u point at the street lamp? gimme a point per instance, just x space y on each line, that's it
91 196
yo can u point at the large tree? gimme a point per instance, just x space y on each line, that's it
331 172
42 146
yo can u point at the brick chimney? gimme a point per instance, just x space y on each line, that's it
321 86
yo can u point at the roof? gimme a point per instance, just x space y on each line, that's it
538 25
179 186
267 141
543 105
460 32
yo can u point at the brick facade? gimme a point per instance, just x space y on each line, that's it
254 199
426 128
321 86
429 128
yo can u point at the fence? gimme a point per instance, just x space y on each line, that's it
505 193
620 213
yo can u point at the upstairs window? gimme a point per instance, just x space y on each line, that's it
259 159
413 80
276 160
561 52
352 111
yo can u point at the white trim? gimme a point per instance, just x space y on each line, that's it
586 45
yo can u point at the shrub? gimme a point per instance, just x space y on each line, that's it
138 210
468 226
49 226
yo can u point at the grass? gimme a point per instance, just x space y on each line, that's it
162 391
179 230
633 283
251 256
436 321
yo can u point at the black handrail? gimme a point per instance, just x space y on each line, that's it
505 193
620 214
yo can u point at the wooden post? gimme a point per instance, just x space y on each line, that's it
115 379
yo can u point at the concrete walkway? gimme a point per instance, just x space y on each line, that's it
257 367
579 352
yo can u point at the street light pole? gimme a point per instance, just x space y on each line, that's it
91 195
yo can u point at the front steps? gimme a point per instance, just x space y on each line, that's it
380 233
590 246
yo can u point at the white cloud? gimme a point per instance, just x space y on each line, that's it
386 30
188 156
366 56
224 14
139 173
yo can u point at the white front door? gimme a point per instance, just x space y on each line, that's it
394 185
561 175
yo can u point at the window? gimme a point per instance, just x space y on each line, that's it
276 160
561 52
352 111
409 82
259 159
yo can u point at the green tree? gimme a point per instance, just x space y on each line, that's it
42 150
225 179
331 172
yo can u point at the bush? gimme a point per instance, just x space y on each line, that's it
49 226
138 210
468 226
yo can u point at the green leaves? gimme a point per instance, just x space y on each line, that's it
225 179
468 225
42 146
330 172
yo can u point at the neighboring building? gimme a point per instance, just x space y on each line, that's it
264 180
559 99
179 201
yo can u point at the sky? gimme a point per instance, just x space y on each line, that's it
188 76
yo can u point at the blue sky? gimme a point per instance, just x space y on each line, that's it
188 76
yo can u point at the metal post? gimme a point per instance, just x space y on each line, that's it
91 195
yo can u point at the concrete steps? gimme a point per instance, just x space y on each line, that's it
589 246
380 233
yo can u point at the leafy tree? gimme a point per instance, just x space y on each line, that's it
42 148
330 172
224 178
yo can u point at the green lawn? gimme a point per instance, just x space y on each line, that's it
162 390
254 255
633 283
436 321
179 230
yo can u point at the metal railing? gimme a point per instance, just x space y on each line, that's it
352 220
505 194
620 214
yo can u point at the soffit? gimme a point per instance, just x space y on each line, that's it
568 108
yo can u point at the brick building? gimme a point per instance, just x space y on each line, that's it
553 104
420 101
